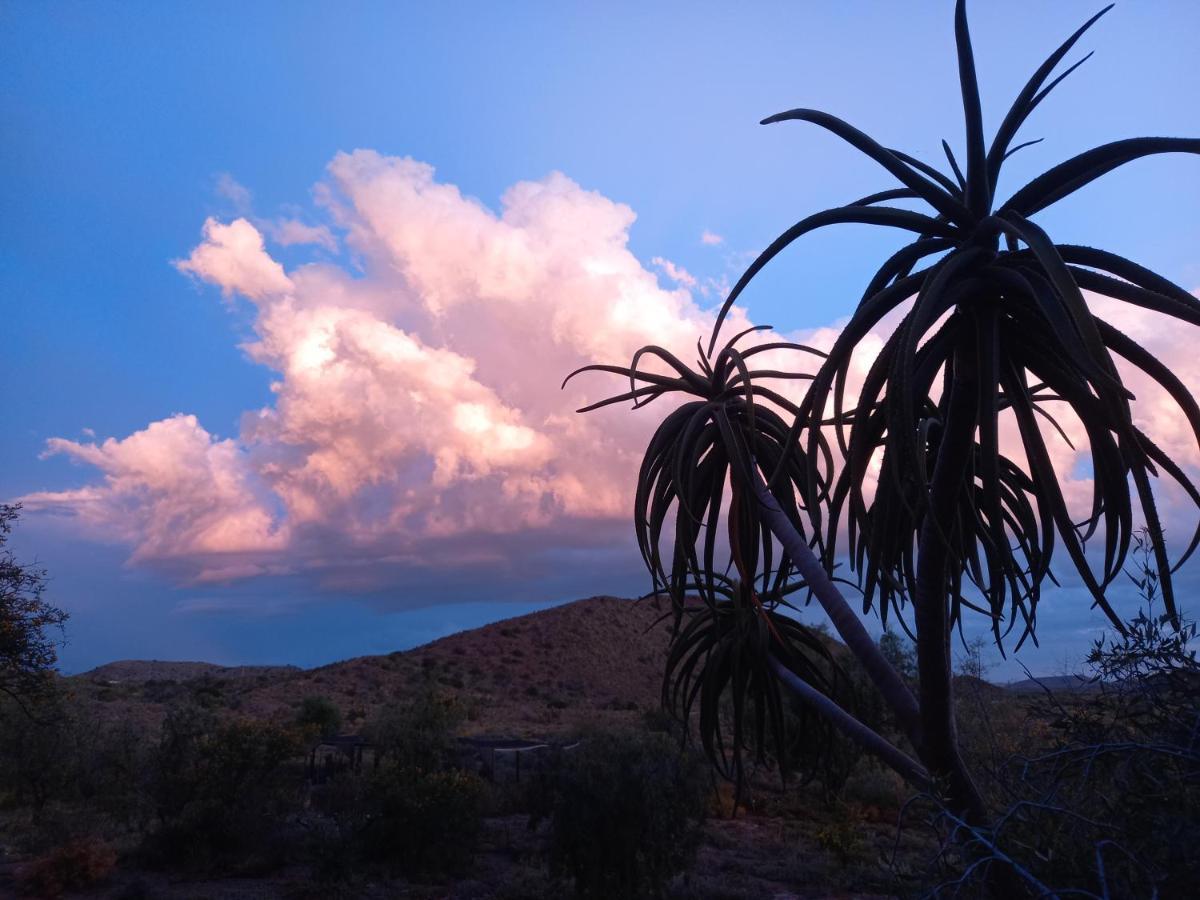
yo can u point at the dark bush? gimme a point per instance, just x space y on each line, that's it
419 734
36 754
413 811
625 813
78 865
319 716
423 822
1108 804
74 773
222 790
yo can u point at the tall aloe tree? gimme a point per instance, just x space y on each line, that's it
997 326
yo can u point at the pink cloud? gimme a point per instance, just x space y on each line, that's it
678 274
417 418
417 399
289 232
234 258
238 195
710 239
171 491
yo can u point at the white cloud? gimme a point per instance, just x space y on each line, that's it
678 274
417 417
417 398
711 239
234 258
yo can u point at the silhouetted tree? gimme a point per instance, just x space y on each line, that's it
28 650
319 716
899 652
998 326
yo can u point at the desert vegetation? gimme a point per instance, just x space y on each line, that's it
194 796
940 517
714 740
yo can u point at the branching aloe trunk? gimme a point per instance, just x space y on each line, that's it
903 764
1006 331
847 624
932 610
934 736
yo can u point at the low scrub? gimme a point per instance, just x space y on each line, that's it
221 789
78 865
625 812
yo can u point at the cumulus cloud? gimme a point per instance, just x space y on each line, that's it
417 403
711 239
171 490
417 420
234 257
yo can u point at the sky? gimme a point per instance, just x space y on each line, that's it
289 289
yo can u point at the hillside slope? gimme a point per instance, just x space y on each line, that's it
597 661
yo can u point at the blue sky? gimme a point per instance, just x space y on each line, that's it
120 120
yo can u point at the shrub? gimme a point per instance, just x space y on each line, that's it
75 866
319 716
625 813
35 753
221 789
415 811
28 648
75 774
900 653
423 822
843 840
419 734
1110 806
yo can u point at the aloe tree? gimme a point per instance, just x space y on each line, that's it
997 327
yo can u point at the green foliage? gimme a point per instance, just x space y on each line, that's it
1152 645
899 653
220 788
1108 804
28 652
422 822
625 813
418 734
319 716
61 759
843 840
413 811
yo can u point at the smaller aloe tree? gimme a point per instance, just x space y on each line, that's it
998 326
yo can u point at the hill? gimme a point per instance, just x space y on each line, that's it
132 670
597 661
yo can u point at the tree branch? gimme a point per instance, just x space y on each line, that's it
871 741
847 624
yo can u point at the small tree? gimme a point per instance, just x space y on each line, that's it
998 327
972 664
319 716
899 653
28 651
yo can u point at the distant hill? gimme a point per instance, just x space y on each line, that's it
593 662
1053 683
596 662
126 670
